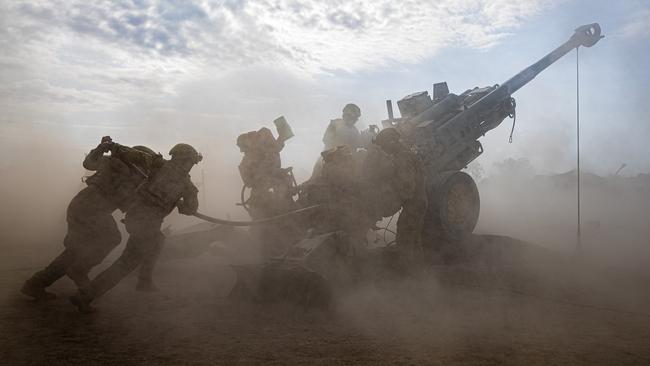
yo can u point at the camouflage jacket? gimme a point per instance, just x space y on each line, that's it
408 181
168 187
118 175
339 133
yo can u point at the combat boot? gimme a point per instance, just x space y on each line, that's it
82 302
36 291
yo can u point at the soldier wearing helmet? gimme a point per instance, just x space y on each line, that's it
168 186
184 151
406 181
342 131
92 231
261 162
271 188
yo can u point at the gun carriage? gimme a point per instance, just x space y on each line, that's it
445 129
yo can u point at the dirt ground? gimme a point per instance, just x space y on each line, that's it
531 307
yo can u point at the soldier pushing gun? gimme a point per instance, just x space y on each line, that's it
92 231
167 186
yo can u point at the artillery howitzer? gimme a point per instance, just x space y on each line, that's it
444 132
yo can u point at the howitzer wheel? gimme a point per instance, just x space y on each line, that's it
454 206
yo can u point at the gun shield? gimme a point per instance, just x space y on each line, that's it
283 128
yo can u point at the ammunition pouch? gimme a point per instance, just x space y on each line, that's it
165 187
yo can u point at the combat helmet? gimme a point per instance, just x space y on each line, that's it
245 141
352 109
387 137
180 151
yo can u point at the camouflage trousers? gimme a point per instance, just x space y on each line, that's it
410 224
142 249
276 237
92 234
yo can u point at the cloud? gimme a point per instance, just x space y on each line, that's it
307 35
105 55
361 35
636 27
233 64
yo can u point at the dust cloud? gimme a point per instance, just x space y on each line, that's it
521 294
536 289
542 208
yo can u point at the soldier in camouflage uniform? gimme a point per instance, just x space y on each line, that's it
261 170
343 196
272 188
409 189
168 186
92 231
342 131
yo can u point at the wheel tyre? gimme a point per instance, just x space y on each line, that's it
453 211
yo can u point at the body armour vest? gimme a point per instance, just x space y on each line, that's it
165 187
116 181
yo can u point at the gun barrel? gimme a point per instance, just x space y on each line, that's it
586 35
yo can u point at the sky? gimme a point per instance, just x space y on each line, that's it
158 72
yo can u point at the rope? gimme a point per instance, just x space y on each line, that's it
253 222
514 119
244 201
579 235
512 115
386 229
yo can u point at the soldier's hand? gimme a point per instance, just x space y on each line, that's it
295 190
105 146
185 209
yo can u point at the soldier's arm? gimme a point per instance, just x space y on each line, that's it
190 202
330 133
95 158
278 146
248 170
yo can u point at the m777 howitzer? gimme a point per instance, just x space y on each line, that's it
444 131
